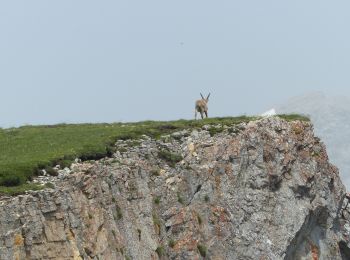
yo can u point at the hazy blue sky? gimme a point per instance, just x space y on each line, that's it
96 61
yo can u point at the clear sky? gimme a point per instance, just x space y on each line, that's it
105 61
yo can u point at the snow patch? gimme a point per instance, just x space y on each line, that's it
271 112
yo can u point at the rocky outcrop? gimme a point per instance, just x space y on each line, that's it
330 116
262 190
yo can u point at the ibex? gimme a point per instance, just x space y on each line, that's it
201 106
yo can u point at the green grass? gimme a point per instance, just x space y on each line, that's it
160 251
172 243
26 150
169 157
294 117
180 198
156 220
156 200
155 171
20 189
49 185
202 250
213 131
119 212
200 220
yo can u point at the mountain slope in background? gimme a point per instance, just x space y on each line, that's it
331 119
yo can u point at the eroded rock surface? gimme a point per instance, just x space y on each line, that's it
262 190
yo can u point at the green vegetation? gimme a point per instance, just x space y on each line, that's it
156 223
50 185
156 220
179 198
28 149
160 251
155 171
199 218
50 171
139 233
202 250
172 243
119 212
156 200
169 157
315 154
122 149
294 117
213 131
20 189
206 198
10 181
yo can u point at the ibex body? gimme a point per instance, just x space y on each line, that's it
202 107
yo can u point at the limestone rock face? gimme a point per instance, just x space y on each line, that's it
262 190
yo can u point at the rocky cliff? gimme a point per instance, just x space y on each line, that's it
329 115
262 190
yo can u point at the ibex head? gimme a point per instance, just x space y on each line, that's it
201 106
205 99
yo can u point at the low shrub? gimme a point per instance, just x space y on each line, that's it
157 200
202 250
160 251
171 243
10 181
169 157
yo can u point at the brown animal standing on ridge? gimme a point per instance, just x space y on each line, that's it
202 106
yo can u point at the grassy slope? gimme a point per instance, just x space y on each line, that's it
26 149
